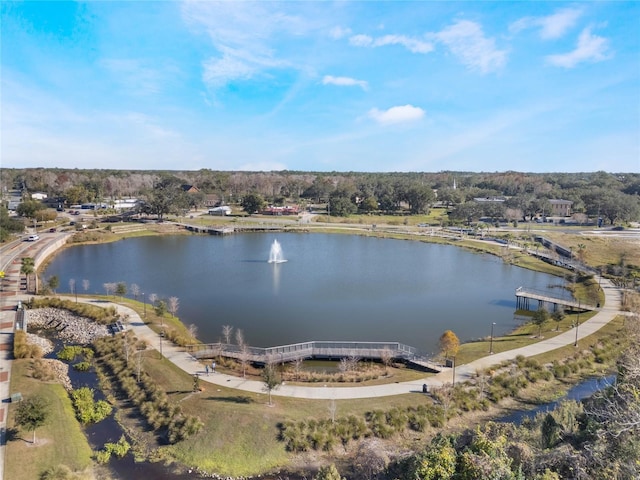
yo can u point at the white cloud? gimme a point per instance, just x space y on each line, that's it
552 26
411 44
339 32
242 32
361 40
219 71
399 114
414 45
590 48
136 77
466 40
344 82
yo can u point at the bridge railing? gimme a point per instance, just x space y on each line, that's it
308 349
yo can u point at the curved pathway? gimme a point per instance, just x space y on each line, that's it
192 366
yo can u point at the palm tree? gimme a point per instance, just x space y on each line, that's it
28 267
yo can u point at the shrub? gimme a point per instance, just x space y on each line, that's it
87 410
82 366
69 352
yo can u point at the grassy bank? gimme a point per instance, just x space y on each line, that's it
59 442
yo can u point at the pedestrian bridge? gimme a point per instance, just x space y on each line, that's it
321 349
524 295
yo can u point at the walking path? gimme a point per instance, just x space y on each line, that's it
11 295
463 372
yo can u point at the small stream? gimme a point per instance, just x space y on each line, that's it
578 392
109 430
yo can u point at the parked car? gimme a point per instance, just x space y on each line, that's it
32 238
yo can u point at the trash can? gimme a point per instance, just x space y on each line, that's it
425 388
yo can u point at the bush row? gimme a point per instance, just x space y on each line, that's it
21 349
507 380
326 434
141 389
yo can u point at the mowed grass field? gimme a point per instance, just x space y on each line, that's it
59 442
240 436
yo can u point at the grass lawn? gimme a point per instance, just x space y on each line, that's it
60 441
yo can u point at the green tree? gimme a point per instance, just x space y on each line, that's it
160 307
329 472
167 196
8 225
32 413
419 198
27 269
29 208
369 204
558 316
121 289
252 203
53 283
271 378
539 318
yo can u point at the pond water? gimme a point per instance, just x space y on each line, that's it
331 287
578 392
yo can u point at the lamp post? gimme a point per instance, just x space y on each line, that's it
577 325
453 379
491 341
144 302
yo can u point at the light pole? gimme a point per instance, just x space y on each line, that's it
491 341
577 325
453 379
144 302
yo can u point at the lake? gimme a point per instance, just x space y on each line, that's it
331 287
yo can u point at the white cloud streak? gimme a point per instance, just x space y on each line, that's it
394 115
241 32
466 40
414 45
552 26
344 82
590 48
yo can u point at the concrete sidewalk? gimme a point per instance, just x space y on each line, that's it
463 372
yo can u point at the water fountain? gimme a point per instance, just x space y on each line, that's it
275 255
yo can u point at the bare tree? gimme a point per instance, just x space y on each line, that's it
385 356
135 290
297 367
153 298
109 287
72 285
85 285
333 408
174 304
244 359
193 330
226 333
239 337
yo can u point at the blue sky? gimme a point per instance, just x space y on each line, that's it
322 86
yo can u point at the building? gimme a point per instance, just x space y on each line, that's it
561 208
286 210
38 196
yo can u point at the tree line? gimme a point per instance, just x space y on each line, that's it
614 197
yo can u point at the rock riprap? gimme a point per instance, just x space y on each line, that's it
69 327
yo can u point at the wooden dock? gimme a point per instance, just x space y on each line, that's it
525 295
307 350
